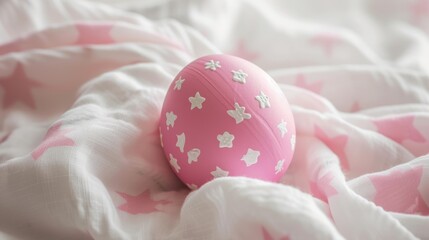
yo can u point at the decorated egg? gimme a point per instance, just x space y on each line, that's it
224 116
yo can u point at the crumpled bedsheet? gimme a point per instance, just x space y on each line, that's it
82 85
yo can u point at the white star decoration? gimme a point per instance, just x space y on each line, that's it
171 117
263 100
219 172
181 141
193 155
178 83
238 114
239 76
212 65
292 141
174 163
251 157
192 186
225 140
197 101
282 127
279 166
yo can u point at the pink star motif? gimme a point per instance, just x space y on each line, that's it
315 191
55 137
10 47
267 235
355 107
243 52
142 203
337 144
94 34
4 138
301 82
17 88
420 9
398 191
323 189
327 41
399 129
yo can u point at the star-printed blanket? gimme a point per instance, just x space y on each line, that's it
82 85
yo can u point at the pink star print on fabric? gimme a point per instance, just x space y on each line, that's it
4 138
355 107
267 235
55 137
10 47
324 184
337 144
398 191
399 129
243 52
301 82
420 9
327 41
140 204
94 34
17 88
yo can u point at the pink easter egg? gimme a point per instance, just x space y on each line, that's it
224 116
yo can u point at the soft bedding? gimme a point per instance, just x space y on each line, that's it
82 86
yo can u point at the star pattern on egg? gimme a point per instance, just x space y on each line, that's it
219 172
238 113
181 138
173 162
264 101
197 101
171 118
213 90
279 166
251 157
193 155
178 83
192 186
225 140
282 126
212 65
292 141
239 76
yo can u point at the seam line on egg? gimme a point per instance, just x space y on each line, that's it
253 129
227 105
249 124
226 77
